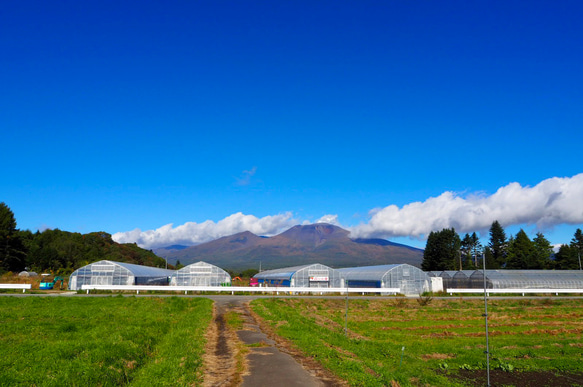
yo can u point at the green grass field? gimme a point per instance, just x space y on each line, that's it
439 339
102 341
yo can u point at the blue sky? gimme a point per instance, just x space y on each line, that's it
184 121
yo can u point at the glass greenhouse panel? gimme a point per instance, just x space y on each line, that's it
117 273
528 279
410 279
461 279
201 274
315 276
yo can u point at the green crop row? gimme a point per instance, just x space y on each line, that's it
403 341
102 341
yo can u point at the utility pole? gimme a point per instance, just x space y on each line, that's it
486 318
460 260
346 314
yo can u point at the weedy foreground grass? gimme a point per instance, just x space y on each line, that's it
102 341
403 341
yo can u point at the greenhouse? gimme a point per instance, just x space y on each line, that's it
411 280
528 279
200 274
308 276
118 273
447 277
461 279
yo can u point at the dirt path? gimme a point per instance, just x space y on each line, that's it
222 350
249 357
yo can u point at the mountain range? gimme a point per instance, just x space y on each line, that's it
303 244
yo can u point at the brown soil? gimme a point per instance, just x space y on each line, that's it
439 356
518 379
221 354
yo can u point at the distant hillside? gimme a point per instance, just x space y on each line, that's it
321 243
164 251
63 252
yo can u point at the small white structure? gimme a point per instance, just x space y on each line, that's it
27 274
436 284
200 274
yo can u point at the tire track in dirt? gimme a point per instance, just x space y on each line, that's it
249 357
221 352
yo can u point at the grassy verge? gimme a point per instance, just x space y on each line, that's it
102 341
401 341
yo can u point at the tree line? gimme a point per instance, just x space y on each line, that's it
62 252
446 250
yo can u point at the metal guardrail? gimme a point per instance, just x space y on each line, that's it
233 289
514 291
16 286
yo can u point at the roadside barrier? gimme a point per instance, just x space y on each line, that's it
234 289
16 286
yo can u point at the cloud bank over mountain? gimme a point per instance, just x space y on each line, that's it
192 233
550 203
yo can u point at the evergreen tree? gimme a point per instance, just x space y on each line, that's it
577 245
566 258
12 250
442 251
471 249
431 257
521 253
497 247
477 248
543 251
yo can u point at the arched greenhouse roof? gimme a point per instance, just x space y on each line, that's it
529 279
106 272
311 275
285 273
370 273
409 279
200 274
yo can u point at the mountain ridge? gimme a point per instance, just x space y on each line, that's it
302 244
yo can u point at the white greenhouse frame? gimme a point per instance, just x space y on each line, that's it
528 279
200 274
107 272
314 275
410 279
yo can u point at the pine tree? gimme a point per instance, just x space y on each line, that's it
442 251
12 254
497 246
577 245
471 249
566 258
543 251
521 253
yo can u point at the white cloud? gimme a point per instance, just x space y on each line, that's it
331 219
192 233
246 176
551 202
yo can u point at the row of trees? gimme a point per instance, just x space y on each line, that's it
61 251
445 250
